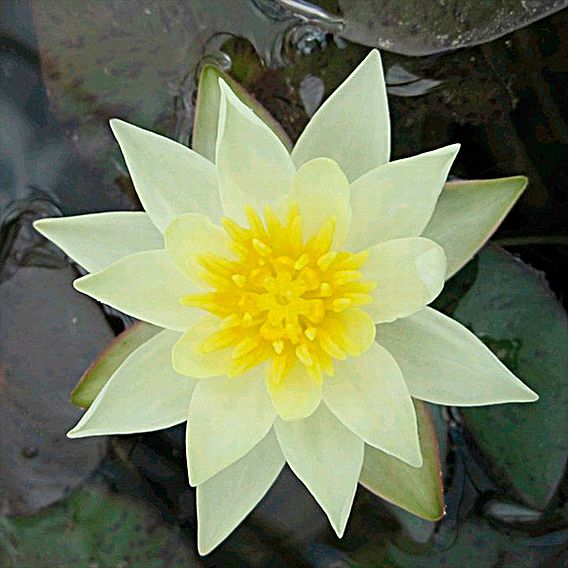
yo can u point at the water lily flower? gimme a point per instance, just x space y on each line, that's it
293 292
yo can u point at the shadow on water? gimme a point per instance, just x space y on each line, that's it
64 73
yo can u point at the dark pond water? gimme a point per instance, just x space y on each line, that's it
493 79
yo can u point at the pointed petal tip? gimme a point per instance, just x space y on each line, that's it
373 57
78 432
530 395
78 284
120 123
40 225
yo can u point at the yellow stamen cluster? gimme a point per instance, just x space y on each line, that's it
281 299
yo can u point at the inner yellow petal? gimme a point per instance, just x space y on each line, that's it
282 299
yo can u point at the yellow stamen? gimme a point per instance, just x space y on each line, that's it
282 299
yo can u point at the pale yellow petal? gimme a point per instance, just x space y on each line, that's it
409 274
369 395
397 200
253 165
358 331
188 359
295 396
352 127
327 458
444 363
143 394
321 191
169 178
467 214
224 500
190 236
145 285
97 240
227 418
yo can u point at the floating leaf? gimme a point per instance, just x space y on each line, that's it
417 490
49 333
108 361
511 308
418 27
94 527
467 214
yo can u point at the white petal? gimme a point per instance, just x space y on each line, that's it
143 395
444 363
253 165
296 396
224 500
352 127
169 178
145 285
321 191
327 458
397 200
189 236
409 274
468 212
227 417
97 240
189 360
368 394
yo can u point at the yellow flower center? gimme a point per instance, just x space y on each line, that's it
282 299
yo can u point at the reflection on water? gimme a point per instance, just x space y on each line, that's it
139 59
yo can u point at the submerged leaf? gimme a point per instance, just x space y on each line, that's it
94 527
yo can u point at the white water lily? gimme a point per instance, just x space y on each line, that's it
293 292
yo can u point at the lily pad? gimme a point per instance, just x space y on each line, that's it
94 527
419 27
108 361
417 490
511 308
48 336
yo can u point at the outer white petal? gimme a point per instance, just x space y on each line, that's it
253 165
227 417
327 458
468 212
409 274
397 200
145 285
444 363
352 127
224 500
368 394
144 394
99 239
169 178
321 191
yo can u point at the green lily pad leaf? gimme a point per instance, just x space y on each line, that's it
419 27
108 361
417 490
48 335
467 214
207 111
94 527
511 308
